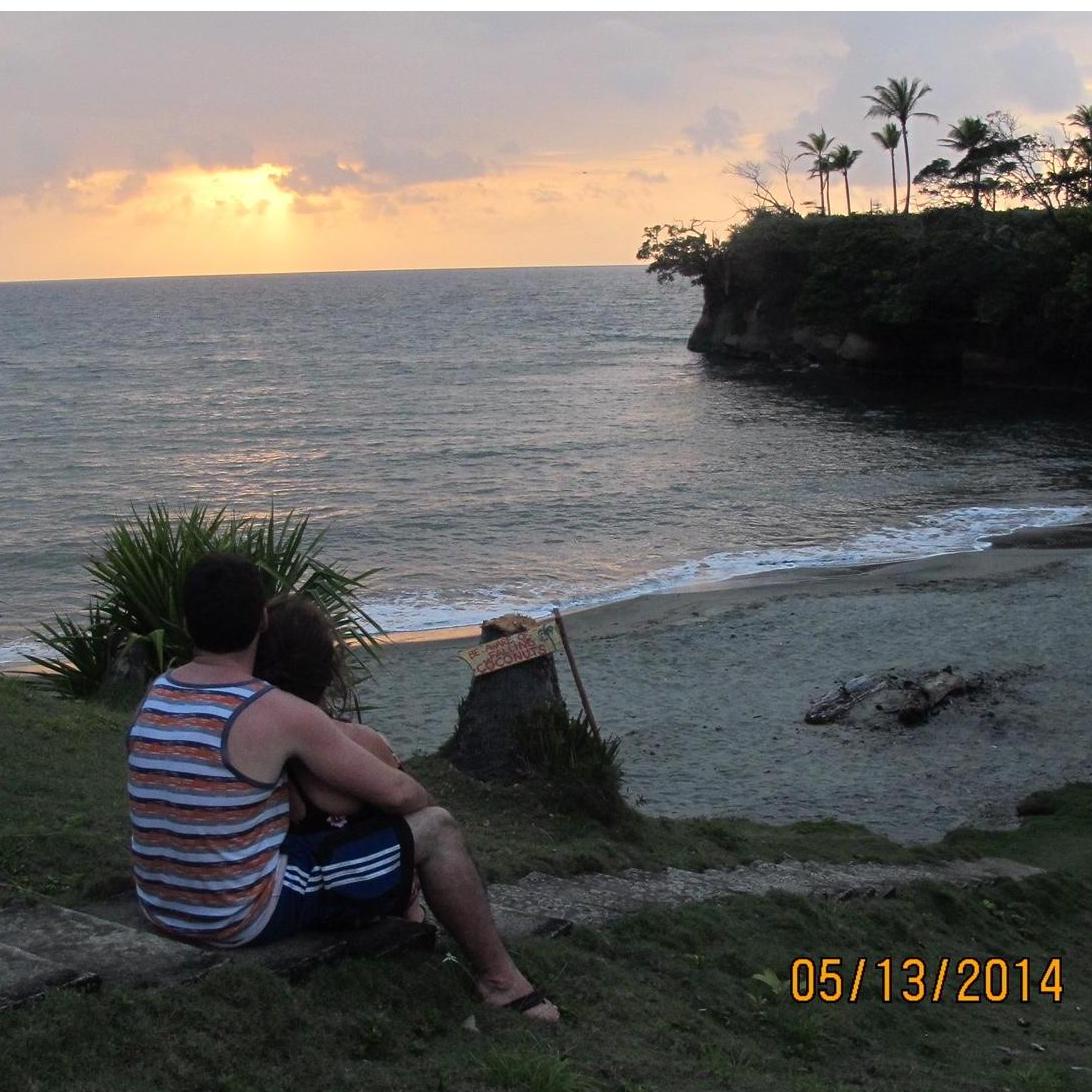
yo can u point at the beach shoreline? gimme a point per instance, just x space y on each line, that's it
707 688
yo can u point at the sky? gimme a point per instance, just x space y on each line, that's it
159 144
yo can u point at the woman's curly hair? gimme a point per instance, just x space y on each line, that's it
299 651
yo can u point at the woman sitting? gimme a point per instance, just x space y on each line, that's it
299 651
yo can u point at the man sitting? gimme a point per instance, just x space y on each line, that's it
213 860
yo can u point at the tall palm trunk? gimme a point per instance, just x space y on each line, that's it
1088 164
894 186
845 177
906 149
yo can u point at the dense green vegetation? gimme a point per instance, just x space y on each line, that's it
691 999
930 286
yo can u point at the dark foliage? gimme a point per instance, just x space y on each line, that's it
1017 282
580 768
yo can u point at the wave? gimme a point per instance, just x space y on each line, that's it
956 531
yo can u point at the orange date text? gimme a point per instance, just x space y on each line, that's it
966 980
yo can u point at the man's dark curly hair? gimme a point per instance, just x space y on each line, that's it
222 600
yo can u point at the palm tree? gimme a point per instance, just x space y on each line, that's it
1082 117
818 144
973 137
841 159
888 138
897 100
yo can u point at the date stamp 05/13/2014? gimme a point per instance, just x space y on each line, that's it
967 980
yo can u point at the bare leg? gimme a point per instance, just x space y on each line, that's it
455 893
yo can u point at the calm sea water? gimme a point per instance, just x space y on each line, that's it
488 438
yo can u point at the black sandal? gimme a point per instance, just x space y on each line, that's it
527 1001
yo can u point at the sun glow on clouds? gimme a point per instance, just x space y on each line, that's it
182 192
378 141
545 210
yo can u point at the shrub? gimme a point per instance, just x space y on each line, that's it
578 766
134 624
86 652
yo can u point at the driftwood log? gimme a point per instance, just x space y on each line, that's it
484 745
909 699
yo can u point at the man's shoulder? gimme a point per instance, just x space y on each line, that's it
284 709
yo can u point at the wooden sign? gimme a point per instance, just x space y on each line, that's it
541 640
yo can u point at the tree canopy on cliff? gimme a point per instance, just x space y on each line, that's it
683 250
1017 283
996 162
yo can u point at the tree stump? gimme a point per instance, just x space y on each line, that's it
484 745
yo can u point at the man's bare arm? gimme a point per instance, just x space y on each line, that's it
331 756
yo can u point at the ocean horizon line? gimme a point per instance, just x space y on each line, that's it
316 273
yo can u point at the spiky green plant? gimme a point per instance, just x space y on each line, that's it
138 590
85 652
581 768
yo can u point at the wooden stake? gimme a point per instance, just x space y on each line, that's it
576 671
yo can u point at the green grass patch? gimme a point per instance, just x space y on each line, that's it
660 1001
64 831
689 999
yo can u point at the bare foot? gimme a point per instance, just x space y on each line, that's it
520 995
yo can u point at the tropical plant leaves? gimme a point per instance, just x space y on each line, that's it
138 578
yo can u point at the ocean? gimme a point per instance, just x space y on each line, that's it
489 439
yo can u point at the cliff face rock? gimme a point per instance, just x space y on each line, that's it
762 335
754 330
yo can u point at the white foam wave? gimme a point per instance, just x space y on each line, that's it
16 652
956 531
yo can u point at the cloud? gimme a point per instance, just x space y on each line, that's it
1042 74
646 177
132 185
321 175
386 168
405 164
383 102
718 128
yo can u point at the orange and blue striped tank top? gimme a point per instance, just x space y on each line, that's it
205 838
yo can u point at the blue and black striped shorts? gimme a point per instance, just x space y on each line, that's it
341 877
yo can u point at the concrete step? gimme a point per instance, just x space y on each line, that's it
113 952
44 946
26 977
593 900
294 955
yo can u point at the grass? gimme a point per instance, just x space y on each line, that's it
663 1000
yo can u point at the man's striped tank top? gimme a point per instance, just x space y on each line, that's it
205 838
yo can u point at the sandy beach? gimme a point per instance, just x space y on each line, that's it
708 689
